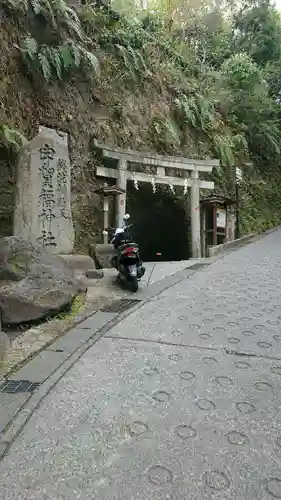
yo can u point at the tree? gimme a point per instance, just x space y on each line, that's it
242 73
257 31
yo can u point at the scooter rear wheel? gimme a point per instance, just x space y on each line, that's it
134 284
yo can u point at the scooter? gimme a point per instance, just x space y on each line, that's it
127 259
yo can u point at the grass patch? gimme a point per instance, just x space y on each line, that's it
73 310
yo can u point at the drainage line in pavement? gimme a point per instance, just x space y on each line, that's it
162 342
150 274
248 354
226 350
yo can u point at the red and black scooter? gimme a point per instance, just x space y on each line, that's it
127 259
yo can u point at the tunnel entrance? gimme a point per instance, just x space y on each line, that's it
160 223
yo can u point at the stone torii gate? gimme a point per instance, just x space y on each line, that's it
191 180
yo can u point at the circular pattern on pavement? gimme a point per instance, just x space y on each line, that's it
159 475
233 340
219 329
189 377
276 370
177 333
208 360
237 438
242 365
273 487
224 381
175 357
216 480
248 333
263 386
161 396
204 336
264 345
245 407
185 431
205 404
137 428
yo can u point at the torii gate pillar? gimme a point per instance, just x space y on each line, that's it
195 215
121 182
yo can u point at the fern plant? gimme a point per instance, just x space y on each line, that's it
239 144
59 14
223 147
186 110
53 63
196 111
166 132
15 5
11 138
132 59
70 53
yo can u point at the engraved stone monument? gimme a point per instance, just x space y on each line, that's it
42 207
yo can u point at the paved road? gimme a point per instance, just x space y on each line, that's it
181 400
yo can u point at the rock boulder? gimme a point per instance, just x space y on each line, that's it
34 284
102 255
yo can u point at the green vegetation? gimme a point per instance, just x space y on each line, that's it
75 308
11 138
57 62
182 77
57 43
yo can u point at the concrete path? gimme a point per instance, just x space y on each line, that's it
157 271
181 400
